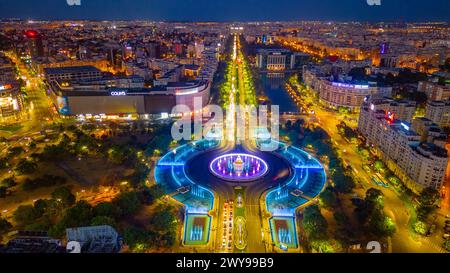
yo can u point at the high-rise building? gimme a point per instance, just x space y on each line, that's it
429 131
402 110
434 90
35 46
418 164
438 112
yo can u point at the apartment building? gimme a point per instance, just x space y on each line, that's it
418 164
438 112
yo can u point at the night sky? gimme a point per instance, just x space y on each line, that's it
229 10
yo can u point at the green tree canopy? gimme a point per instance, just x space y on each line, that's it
65 195
4 225
103 220
314 224
163 219
128 202
26 214
328 197
78 216
107 209
26 166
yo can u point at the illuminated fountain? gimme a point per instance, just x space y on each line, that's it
238 167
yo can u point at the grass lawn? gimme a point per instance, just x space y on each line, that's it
11 128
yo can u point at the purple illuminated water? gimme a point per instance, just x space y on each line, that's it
238 167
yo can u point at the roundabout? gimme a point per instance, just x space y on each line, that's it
203 174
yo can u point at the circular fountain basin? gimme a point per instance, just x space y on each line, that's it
238 167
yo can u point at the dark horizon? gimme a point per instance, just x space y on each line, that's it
229 11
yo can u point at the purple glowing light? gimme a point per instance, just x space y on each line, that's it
238 167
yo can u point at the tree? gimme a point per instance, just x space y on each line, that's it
446 244
3 163
4 225
128 202
140 174
168 239
26 214
52 152
314 224
106 209
25 166
103 220
65 196
78 216
428 197
427 200
136 238
163 219
375 198
9 182
365 154
343 183
372 201
328 197
42 224
370 214
379 166
420 227
153 193
3 192
322 246
58 230
41 205
380 224
15 151
44 181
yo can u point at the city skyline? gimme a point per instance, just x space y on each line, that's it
221 11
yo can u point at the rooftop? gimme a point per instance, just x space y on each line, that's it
70 69
432 149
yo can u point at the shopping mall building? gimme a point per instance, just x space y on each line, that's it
119 96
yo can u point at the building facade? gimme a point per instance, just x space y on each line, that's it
438 112
71 73
125 96
275 59
11 101
434 91
418 164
